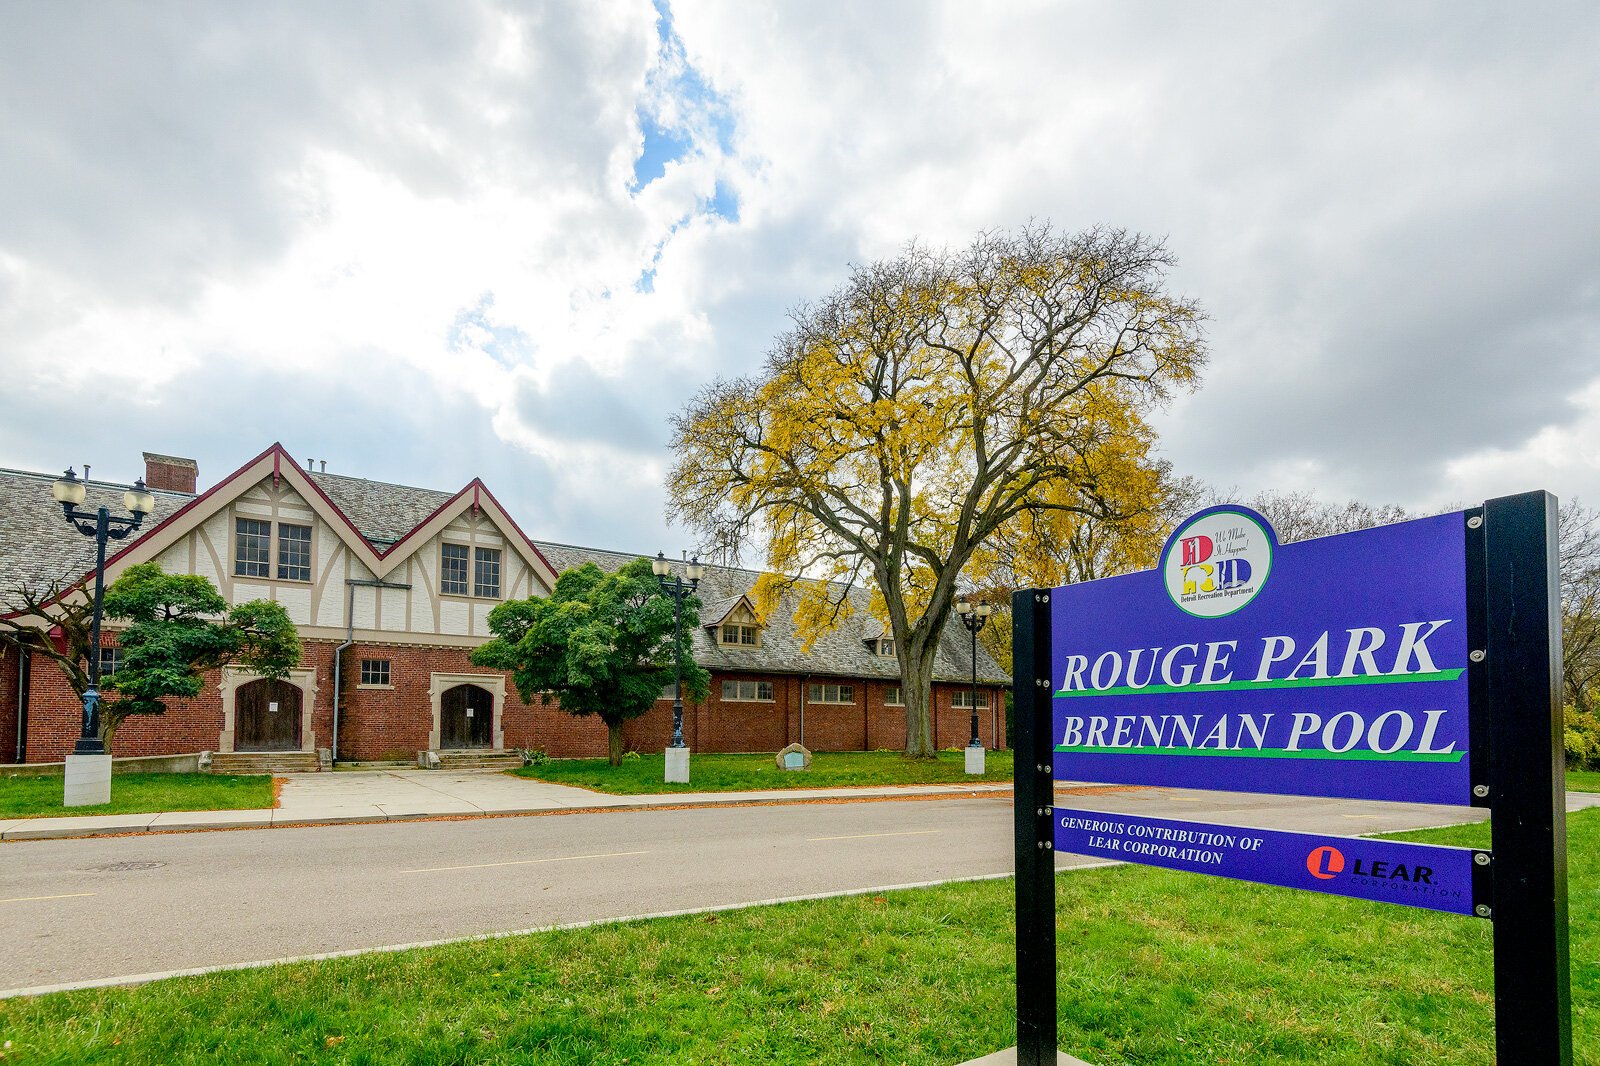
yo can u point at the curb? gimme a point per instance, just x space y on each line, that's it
147 824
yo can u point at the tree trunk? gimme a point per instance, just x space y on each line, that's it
614 742
916 685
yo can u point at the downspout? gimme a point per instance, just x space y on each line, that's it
805 687
23 669
349 639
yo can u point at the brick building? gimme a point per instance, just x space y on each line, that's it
390 588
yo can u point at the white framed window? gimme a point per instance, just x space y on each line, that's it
453 569
747 690
892 697
886 647
830 694
375 672
486 572
963 698
252 547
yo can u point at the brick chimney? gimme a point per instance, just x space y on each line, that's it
170 473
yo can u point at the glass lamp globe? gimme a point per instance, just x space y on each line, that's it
138 499
68 489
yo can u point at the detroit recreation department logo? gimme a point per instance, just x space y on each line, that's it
1218 561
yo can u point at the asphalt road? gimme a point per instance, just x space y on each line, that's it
98 908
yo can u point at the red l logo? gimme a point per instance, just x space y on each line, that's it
1325 862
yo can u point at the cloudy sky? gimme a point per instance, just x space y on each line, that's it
427 241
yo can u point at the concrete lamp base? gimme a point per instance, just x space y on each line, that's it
975 759
677 766
88 781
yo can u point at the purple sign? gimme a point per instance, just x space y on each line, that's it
1330 667
1415 875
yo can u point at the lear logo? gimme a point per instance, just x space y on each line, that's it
1325 862
1218 561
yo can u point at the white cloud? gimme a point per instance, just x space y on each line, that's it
436 221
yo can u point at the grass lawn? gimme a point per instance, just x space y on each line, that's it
1583 780
1156 967
740 773
36 797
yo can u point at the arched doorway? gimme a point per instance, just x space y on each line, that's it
466 717
267 716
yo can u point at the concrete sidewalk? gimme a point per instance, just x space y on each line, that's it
397 795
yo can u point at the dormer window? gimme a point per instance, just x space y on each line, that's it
886 647
739 628
742 635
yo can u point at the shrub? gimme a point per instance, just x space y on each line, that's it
1582 740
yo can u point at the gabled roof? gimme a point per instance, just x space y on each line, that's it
842 652
37 546
383 523
715 612
382 512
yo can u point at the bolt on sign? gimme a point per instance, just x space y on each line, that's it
1383 664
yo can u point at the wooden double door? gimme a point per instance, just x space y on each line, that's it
267 716
466 717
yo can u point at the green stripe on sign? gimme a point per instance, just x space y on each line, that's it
1241 686
1358 755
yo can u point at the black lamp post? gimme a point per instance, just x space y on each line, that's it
678 590
103 526
973 616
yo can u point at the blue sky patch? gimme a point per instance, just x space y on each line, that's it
681 113
506 345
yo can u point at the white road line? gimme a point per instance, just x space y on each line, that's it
30 899
524 862
864 836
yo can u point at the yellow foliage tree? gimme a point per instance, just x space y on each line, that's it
1046 548
933 403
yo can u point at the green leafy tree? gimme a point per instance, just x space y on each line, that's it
604 644
179 626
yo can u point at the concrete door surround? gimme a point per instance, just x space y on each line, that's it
495 684
304 680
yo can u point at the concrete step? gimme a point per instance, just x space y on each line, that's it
264 762
479 759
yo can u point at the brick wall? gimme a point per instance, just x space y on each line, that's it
10 659
395 722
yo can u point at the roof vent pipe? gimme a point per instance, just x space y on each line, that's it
309 464
322 466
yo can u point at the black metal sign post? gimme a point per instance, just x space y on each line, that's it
1034 794
1527 786
1518 772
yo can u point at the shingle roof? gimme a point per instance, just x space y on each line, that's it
381 512
842 652
38 547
